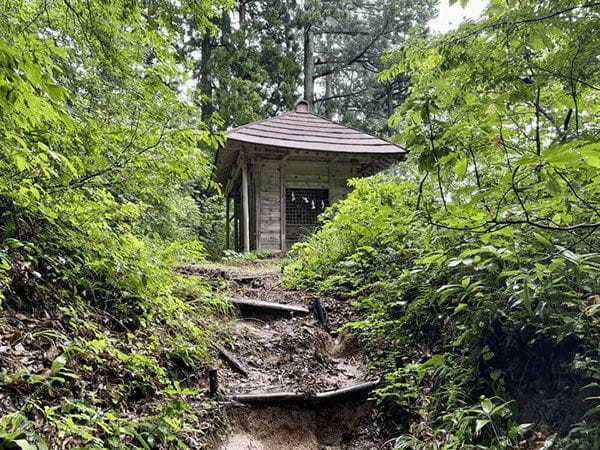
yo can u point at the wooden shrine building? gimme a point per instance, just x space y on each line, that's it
281 173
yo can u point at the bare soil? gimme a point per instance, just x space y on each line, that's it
345 427
291 354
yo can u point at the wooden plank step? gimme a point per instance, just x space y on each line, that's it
276 398
245 304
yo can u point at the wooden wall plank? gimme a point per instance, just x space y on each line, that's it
272 177
282 176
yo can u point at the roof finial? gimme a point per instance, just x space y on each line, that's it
302 106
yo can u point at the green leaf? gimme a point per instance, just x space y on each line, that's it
542 239
591 154
20 162
24 445
480 424
487 406
57 365
56 92
460 307
460 168
434 258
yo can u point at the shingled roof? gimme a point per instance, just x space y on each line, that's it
300 129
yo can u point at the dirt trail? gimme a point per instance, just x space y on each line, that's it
297 355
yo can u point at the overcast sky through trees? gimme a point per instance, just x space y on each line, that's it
451 17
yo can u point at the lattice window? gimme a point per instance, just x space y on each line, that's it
303 206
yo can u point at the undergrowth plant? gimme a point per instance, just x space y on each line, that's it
477 272
102 343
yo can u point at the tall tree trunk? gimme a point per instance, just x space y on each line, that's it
389 92
242 13
328 110
309 66
225 27
205 84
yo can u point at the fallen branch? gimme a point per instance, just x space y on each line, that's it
275 398
229 358
267 307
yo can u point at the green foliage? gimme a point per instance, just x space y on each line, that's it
481 276
208 222
252 68
232 256
16 433
351 39
469 315
100 153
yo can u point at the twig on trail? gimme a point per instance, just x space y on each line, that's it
229 358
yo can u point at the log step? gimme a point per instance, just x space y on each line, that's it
248 305
277 398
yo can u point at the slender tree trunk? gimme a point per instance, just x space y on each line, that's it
242 13
205 83
389 92
309 66
225 26
328 92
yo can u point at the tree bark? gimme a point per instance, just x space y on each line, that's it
328 106
309 66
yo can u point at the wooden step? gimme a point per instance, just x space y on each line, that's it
249 305
353 392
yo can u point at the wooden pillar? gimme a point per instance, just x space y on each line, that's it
236 224
282 206
245 207
227 221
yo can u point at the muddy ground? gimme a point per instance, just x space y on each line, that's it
296 354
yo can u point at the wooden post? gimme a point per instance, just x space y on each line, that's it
256 200
245 207
236 223
227 220
231 360
321 314
213 383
